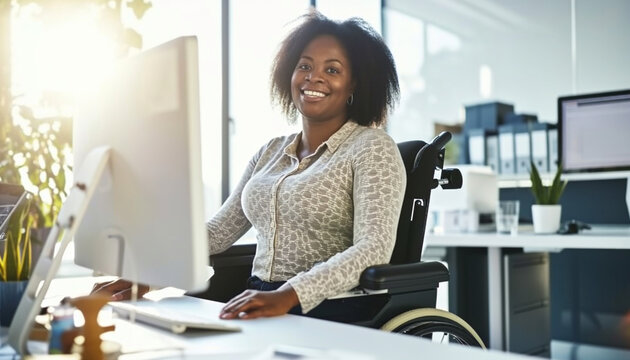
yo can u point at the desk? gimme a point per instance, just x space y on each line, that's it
258 335
599 237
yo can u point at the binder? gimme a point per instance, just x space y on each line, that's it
514 118
492 152
522 148
477 146
506 149
540 146
487 115
553 148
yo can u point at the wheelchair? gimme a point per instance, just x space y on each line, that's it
400 296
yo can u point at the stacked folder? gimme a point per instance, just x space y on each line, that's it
508 142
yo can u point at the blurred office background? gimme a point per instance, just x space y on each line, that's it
450 54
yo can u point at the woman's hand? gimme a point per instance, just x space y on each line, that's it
251 304
118 289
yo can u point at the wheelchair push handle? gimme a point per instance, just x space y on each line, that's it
433 153
441 139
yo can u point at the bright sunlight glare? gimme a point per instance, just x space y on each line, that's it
61 58
54 60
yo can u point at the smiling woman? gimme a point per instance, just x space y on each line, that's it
312 197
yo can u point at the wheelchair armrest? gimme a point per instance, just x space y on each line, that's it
404 277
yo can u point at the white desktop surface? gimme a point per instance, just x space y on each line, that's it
599 237
259 335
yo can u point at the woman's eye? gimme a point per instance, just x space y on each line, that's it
333 71
303 66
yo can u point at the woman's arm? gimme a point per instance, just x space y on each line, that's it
230 222
378 189
251 304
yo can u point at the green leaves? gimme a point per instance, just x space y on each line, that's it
139 7
15 262
34 149
546 195
37 157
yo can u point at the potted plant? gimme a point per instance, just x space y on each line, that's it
15 255
34 148
547 210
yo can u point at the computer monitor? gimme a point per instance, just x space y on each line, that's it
593 132
136 207
145 220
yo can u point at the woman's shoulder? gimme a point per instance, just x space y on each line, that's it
374 148
374 137
278 142
273 148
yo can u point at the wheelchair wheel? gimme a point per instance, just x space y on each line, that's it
434 324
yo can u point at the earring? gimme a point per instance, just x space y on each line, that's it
350 100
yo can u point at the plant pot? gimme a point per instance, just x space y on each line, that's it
546 218
10 294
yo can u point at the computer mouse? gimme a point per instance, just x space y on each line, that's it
572 227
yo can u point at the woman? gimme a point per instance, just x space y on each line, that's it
325 202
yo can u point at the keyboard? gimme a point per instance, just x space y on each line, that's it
176 321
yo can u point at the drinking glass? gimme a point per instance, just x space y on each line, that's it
507 217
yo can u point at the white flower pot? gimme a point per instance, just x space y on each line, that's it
546 218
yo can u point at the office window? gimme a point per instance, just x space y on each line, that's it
168 19
369 10
254 40
405 36
58 53
453 54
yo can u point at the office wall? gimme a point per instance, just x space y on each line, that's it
589 201
454 53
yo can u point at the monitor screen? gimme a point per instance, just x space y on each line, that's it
593 131
145 221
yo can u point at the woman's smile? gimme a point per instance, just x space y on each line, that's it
313 95
322 81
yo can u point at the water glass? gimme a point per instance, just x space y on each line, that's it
507 217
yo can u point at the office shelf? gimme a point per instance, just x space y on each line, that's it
522 180
599 237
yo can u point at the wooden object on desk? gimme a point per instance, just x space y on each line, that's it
39 332
90 306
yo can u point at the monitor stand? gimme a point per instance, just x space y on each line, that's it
66 224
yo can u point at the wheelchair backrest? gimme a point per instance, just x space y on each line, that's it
421 160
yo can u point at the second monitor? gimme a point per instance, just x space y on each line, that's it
593 131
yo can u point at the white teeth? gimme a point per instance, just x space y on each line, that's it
314 93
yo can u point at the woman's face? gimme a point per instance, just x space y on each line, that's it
322 80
